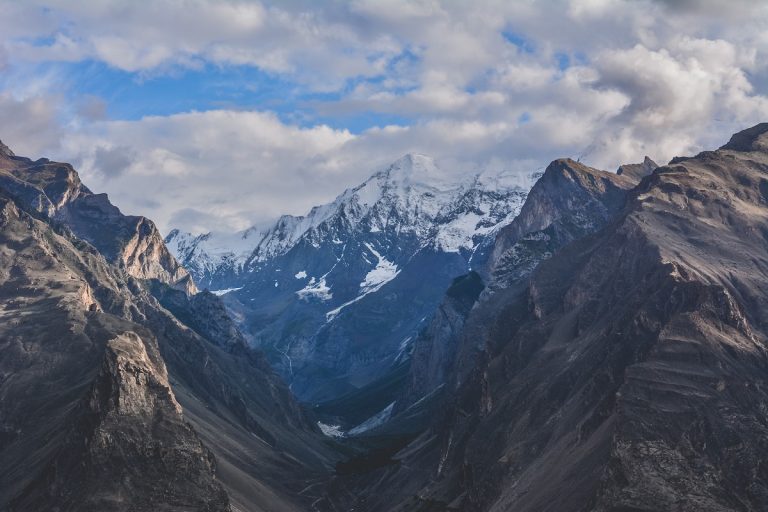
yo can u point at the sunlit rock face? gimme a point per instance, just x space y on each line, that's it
54 189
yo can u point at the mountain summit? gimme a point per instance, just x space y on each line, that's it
751 139
319 292
411 195
5 150
54 190
120 389
625 371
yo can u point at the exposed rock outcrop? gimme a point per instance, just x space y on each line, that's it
108 401
54 190
638 171
627 372
569 201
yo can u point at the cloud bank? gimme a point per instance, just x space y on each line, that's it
486 84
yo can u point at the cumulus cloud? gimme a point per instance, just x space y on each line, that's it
479 84
231 168
29 125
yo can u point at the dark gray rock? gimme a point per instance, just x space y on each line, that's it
627 372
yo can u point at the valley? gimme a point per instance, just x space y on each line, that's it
594 343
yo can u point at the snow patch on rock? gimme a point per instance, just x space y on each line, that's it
330 430
225 291
382 273
316 288
374 421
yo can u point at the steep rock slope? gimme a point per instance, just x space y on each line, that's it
651 339
569 201
627 372
54 189
126 394
335 298
574 200
88 417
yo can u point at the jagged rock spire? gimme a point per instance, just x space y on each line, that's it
751 139
5 150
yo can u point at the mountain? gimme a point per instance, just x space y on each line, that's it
336 297
118 389
607 351
54 190
627 371
569 201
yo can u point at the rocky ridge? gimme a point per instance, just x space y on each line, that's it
55 191
625 372
118 393
569 201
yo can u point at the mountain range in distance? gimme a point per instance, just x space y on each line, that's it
594 343
336 297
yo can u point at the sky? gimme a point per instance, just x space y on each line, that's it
217 115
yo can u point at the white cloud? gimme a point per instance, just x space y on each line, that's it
231 168
491 82
29 125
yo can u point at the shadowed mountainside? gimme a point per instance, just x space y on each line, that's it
119 392
627 372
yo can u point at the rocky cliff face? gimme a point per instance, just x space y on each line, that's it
89 420
55 191
627 372
569 201
110 401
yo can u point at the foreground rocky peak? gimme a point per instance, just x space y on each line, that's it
54 190
86 405
570 200
118 393
5 150
627 371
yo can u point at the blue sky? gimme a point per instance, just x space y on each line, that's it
129 96
214 115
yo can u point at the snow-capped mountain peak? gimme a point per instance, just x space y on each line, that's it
412 171
308 286
411 196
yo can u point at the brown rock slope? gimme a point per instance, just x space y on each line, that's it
54 189
569 201
88 419
111 402
628 373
